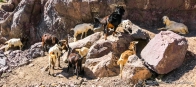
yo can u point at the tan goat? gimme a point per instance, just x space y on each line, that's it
83 52
174 26
124 56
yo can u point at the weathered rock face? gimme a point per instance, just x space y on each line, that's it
36 17
22 20
104 66
165 52
10 6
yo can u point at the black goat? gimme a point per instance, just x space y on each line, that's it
75 60
111 21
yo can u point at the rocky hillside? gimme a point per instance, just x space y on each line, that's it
33 18
162 58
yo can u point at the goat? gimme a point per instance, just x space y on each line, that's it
112 21
140 75
83 52
15 42
126 24
81 28
174 26
48 40
124 56
75 60
54 54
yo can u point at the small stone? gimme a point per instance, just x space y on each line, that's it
30 65
54 84
60 76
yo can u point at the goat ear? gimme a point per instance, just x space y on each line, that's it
77 49
135 42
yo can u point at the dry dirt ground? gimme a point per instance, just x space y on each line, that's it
34 74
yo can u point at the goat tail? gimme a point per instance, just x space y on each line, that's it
52 54
72 29
119 60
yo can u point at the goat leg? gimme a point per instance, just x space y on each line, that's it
59 62
82 35
121 67
49 70
105 32
68 66
85 33
77 71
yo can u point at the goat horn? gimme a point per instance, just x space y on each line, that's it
63 40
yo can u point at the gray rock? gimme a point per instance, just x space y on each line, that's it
3 61
4 68
165 52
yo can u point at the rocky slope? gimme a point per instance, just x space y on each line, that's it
33 18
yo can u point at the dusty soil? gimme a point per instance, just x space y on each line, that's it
34 74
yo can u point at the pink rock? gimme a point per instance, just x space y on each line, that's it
165 52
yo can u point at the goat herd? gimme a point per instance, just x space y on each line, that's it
54 46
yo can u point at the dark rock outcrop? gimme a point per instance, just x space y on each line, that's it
165 52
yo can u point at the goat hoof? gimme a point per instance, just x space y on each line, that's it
59 67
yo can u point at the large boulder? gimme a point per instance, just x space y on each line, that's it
165 52
86 42
103 55
135 70
104 66
115 44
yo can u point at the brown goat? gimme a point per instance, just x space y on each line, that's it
125 55
48 40
75 60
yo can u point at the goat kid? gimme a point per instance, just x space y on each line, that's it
125 55
75 60
15 42
81 29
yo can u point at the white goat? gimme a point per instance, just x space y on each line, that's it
15 42
54 55
82 28
83 52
